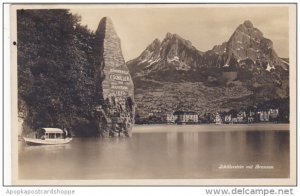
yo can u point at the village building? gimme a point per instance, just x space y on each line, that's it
274 113
170 118
241 117
228 118
186 117
218 119
251 114
250 119
234 120
264 116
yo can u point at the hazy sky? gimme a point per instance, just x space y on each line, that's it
138 26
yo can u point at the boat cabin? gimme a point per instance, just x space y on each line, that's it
51 133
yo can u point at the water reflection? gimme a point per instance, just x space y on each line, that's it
159 155
172 141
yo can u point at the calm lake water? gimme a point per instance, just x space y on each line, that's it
165 151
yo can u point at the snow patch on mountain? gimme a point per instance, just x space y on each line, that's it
153 61
175 58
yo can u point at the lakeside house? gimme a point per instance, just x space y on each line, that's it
242 116
234 120
250 119
231 117
228 118
218 118
186 117
274 113
170 118
264 116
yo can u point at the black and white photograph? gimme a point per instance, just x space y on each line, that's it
154 94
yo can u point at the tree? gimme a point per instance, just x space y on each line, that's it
55 69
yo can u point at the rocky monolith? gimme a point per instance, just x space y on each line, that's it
116 83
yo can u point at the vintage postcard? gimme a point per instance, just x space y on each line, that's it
153 94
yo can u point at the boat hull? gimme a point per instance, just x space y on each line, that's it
33 141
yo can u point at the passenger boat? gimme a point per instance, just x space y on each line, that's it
49 136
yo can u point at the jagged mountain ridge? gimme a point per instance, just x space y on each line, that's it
173 54
246 60
247 47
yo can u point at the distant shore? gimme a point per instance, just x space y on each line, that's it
152 128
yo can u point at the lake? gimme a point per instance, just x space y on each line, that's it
165 152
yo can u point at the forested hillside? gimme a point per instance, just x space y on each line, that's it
56 84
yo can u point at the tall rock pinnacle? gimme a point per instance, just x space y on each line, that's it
108 40
114 79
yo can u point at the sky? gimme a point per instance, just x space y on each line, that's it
205 26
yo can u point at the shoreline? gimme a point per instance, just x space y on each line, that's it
165 128
161 128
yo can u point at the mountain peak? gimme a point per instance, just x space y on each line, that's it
248 24
156 42
171 35
248 42
248 28
154 45
174 36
